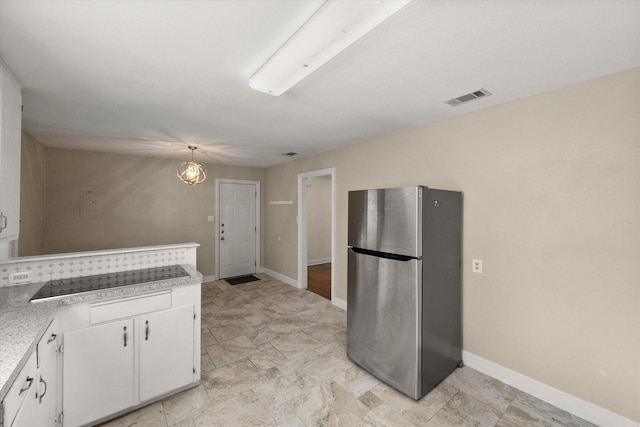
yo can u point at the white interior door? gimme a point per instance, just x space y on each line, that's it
237 229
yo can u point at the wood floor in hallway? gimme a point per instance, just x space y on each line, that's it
319 279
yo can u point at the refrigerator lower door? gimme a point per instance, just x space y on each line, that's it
383 319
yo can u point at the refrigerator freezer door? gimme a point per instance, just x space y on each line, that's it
383 326
386 220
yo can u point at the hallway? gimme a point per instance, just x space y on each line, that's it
319 279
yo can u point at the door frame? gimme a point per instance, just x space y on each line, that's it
302 225
216 219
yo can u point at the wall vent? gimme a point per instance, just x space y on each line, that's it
290 154
480 93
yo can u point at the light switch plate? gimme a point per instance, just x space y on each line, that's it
210 218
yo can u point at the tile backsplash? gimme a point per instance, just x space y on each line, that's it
65 266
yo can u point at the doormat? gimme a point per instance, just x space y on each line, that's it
242 279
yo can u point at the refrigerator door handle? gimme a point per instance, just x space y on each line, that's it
379 254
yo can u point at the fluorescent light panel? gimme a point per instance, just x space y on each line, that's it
333 28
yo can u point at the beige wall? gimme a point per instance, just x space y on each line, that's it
319 218
139 202
32 196
551 205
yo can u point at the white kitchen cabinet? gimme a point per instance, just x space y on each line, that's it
166 351
27 415
112 366
81 371
47 384
31 401
10 134
97 372
19 405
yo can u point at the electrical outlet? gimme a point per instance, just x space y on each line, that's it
20 277
476 265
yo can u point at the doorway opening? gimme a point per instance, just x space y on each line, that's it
316 231
237 227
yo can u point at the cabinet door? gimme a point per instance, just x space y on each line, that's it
22 394
97 372
166 351
47 376
27 414
11 122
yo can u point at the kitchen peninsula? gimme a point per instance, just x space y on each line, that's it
143 332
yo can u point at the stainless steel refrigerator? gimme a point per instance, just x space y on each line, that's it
404 320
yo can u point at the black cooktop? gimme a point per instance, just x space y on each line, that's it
78 285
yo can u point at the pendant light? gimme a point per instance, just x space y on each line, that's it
192 172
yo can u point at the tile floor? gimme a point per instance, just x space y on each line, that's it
273 355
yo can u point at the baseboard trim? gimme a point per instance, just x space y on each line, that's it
583 409
318 261
340 303
286 279
211 278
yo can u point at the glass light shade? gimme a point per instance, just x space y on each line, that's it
192 172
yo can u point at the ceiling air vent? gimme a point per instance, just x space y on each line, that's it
468 97
290 154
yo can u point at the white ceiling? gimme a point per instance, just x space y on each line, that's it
150 78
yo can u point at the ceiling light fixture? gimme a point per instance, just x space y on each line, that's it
192 172
333 28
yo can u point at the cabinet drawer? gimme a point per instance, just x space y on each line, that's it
129 307
25 381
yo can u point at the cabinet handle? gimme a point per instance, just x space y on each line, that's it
125 336
45 388
26 387
52 338
3 221
146 331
